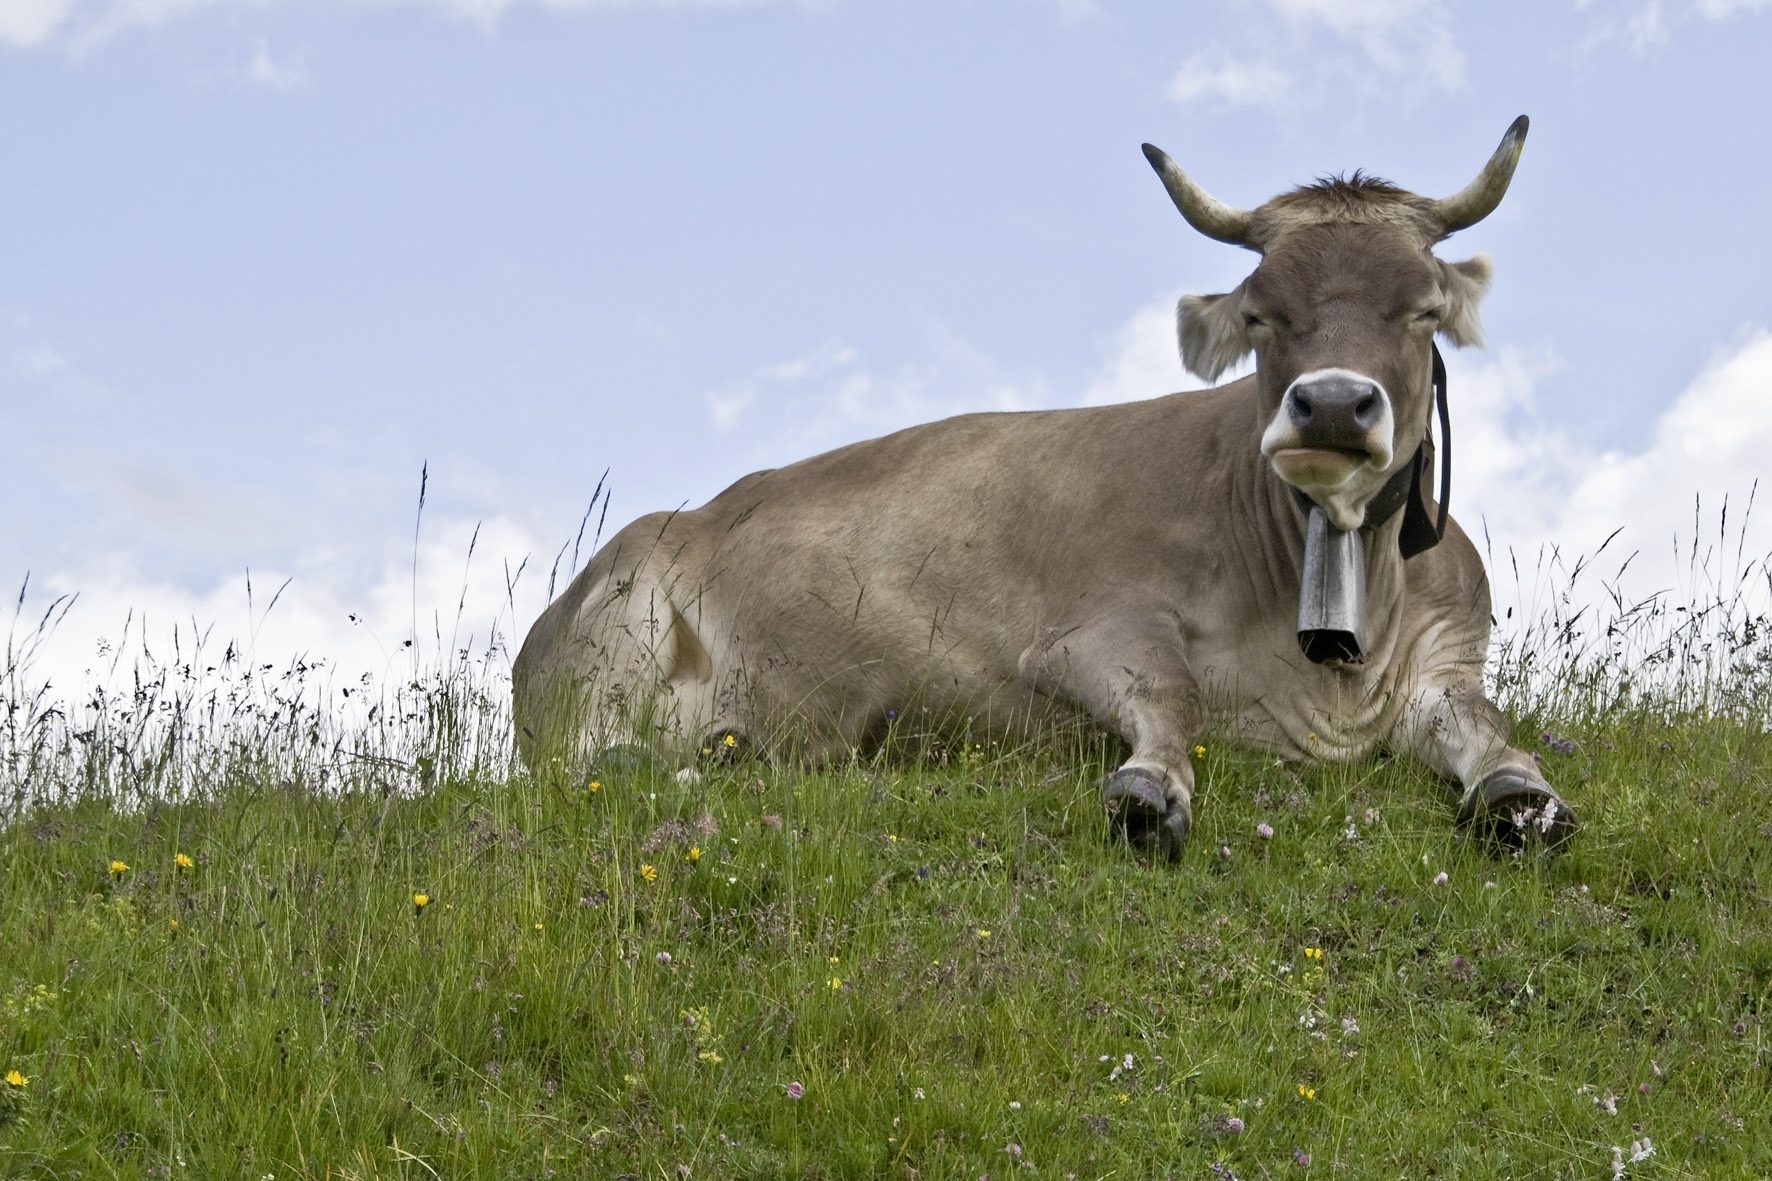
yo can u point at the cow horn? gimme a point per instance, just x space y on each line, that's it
1203 211
1478 199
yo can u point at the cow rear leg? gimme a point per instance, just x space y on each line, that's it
1460 733
1137 685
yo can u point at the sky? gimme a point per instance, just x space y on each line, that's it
264 263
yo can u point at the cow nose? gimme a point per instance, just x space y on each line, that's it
1335 409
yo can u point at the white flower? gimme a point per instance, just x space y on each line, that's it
1441 879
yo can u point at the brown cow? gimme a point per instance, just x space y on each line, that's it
1230 557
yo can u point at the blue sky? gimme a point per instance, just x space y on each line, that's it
262 261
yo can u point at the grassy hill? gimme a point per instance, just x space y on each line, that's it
214 960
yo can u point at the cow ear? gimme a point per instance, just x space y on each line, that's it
1464 284
1213 336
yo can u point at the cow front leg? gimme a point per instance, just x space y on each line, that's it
1137 685
1460 733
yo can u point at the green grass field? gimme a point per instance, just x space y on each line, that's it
891 969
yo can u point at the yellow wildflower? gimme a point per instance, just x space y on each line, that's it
1306 1093
694 853
834 959
175 924
593 786
119 868
710 1057
983 933
538 926
1313 953
421 900
893 837
15 1079
647 872
835 984
731 740
183 861
1199 752
1124 1097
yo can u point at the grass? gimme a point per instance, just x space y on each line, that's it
896 969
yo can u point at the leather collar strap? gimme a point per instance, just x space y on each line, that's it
1418 534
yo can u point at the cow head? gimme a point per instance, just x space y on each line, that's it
1340 314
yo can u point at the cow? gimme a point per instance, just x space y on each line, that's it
1231 559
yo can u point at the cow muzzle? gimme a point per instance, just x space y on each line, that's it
1333 427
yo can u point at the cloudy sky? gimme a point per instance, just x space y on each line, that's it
261 262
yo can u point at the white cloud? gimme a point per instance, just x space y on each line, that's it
1537 491
1306 52
31 22
450 602
1233 82
267 71
1721 9
1646 27
1142 360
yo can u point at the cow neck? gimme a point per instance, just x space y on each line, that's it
1403 489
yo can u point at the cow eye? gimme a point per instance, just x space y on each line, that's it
1252 322
1430 316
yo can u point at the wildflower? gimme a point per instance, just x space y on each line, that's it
183 861
1350 1027
15 1079
1607 1103
538 926
1125 1098
1224 851
917 1094
663 960
1562 746
693 855
648 873
420 901
175 924
923 872
1233 1125
1441 878
1265 831
711 1057
118 868
1012 1149
1302 1157
833 959
593 787
1199 752
836 983
1014 1105
1313 953
983 933
892 838
772 821
795 1090
1306 1093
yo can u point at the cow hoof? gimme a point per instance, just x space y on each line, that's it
1518 813
1139 805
